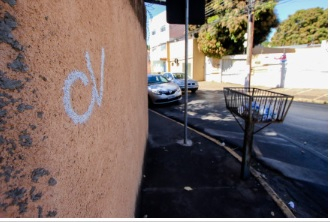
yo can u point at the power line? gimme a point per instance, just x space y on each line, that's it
211 9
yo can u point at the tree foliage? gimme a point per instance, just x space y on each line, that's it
303 27
223 34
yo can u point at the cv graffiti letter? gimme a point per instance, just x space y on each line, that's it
96 95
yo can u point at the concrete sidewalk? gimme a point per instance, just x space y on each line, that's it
300 95
199 181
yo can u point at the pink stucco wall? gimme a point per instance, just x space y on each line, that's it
73 107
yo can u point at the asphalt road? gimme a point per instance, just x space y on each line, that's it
292 155
307 125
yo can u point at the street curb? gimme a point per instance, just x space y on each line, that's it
298 94
310 101
280 203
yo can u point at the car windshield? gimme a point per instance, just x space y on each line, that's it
157 79
178 75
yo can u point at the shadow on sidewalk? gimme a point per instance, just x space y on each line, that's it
200 181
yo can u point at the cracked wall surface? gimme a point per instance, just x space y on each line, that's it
73 107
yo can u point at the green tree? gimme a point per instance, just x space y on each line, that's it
303 27
223 34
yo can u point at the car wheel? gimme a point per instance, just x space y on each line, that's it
193 90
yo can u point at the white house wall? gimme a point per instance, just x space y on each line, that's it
177 51
233 69
303 68
212 69
156 35
307 68
158 52
268 69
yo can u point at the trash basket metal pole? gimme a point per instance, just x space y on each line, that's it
185 76
255 106
248 143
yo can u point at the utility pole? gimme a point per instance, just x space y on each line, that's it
250 36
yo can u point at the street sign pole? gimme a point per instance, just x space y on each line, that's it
178 13
186 75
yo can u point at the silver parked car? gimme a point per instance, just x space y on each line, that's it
178 78
160 90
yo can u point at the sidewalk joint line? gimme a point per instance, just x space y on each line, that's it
321 96
303 91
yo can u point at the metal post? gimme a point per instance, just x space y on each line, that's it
247 144
283 73
249 41
186 75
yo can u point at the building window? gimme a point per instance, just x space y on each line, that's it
162 29
163 47
153 32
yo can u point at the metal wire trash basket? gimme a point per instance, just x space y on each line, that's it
255 106
266 106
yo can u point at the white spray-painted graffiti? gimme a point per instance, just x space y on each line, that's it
96 95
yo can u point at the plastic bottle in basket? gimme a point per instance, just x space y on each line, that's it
266 112
254 103
240 110
273 116
255 109
273 113
261 110
266 115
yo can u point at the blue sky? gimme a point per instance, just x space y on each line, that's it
283 9
288 7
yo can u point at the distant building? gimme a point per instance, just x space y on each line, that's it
299 66
160 33
167 49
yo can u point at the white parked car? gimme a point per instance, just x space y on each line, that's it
160 90
178 78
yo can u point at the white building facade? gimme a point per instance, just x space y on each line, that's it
160 34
